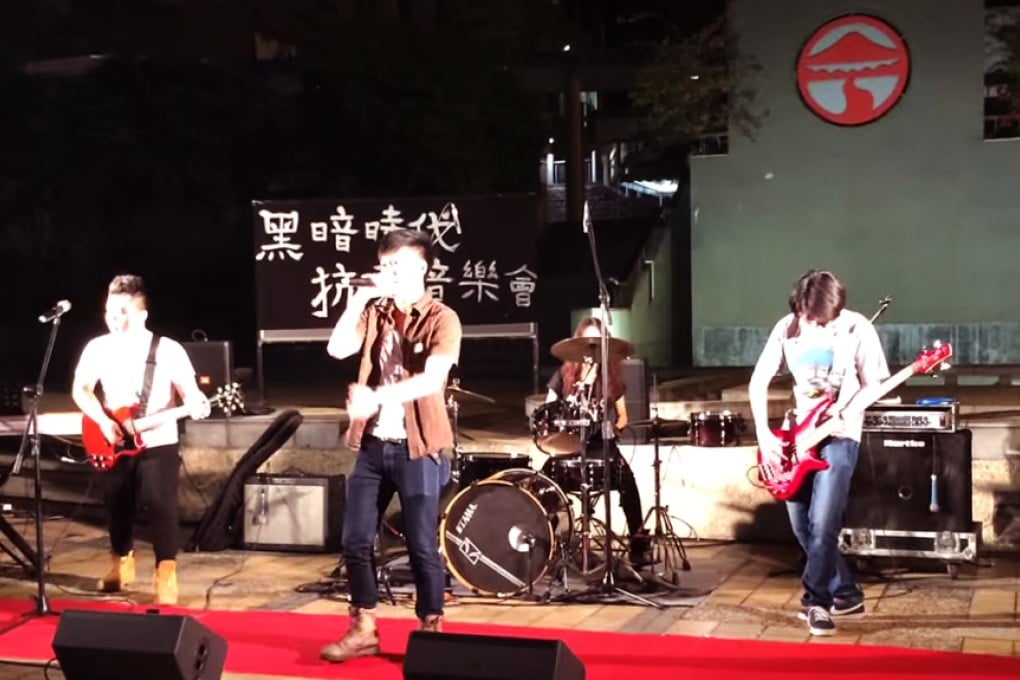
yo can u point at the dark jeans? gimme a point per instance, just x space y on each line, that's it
149 480
816 517
383 468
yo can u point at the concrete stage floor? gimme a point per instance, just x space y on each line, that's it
737 587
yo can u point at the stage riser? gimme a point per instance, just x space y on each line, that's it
706 487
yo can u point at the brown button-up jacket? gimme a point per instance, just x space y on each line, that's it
430 329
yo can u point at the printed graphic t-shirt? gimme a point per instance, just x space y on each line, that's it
834 362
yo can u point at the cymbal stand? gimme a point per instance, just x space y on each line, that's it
453 407
665 542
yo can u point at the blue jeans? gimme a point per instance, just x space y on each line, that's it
816 516
383 468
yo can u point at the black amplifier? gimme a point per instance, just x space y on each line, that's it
912 481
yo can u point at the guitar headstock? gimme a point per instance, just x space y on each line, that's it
928 359
228 398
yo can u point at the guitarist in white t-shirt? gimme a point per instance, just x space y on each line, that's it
832 354
110 375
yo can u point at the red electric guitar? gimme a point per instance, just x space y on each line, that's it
800 444
102 454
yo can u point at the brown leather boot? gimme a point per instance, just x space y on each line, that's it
120 575
361 639
164 582
433 623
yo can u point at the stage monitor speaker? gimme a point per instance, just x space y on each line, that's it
294 513
213 362
451 656
900 474
94 645
634 374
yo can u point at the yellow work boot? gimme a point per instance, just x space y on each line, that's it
361 639
120 575
164 582
433 623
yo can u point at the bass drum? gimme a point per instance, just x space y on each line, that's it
716 429
497 538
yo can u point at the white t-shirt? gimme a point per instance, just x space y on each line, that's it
389 423
117 360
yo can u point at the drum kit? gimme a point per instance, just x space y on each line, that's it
504 525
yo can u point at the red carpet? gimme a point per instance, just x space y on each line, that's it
284 643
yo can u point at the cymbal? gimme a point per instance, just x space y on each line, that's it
458 390
579 349
662 422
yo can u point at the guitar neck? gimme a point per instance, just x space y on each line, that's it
864 398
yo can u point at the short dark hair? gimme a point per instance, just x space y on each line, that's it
128 284
818 295
410 238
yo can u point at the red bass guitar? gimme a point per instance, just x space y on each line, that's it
800 444
103 454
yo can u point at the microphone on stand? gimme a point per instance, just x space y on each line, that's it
585 219
934 505
55 312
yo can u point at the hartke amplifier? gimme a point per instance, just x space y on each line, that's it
294 513
213 362
912 481
94 645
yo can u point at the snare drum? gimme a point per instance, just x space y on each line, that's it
500 535
716 429
567 472
551 432
476 466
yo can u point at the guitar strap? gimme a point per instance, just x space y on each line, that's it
150 370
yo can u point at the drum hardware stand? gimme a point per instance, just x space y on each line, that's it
663 537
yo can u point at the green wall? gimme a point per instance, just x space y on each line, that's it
916 205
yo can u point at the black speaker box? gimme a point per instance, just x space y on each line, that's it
450 656
634 374
122 646
892 486
213 362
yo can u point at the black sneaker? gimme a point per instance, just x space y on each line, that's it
818 620
846 606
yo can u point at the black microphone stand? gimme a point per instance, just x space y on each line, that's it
608 586
42 605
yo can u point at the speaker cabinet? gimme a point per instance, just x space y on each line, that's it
450 656
900 474
634 374
94 645
294 513
213 362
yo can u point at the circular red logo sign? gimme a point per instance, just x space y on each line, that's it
853 69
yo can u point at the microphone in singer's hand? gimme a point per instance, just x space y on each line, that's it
55 312
361 282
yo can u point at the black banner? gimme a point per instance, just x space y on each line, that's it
306 253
